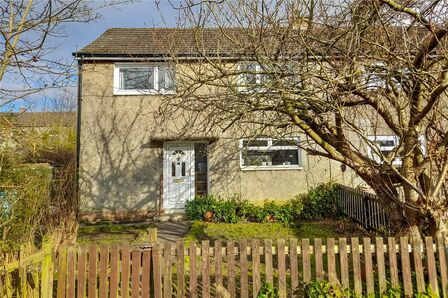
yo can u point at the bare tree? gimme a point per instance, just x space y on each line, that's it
342 72
28 30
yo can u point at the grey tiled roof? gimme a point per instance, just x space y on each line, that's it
161 41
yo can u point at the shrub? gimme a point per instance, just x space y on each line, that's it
226 211
196 209
250 212
324 289
236 210
320 202
317 204
23 204
267 291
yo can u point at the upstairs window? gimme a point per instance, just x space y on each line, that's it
251 78
386 145
144 79
270 153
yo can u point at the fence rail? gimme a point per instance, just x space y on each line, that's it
363 207
235 268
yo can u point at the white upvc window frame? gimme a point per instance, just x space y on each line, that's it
375 138
270 147
242 88
116 80
397 161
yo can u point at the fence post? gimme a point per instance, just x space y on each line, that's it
62 271
406 266
443 267
152 236
47 268
22 271
431 262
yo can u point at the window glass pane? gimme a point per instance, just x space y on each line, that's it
249 77
200 167
284 157
256 158
270 158
200 158
137 78
173 169
183 169
388 143
166 79
255 143
263 75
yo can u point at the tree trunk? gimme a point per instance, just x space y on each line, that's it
438 223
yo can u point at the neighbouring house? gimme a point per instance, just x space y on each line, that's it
36 126
132 165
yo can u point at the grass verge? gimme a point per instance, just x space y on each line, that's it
106 233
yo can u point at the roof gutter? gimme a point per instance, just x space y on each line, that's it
164 58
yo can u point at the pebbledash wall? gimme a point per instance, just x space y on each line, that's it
121 150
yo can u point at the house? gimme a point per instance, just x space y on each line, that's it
133 165
36 127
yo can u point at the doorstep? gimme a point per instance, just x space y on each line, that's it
175 216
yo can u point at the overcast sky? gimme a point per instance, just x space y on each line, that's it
141 13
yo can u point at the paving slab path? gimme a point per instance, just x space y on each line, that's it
172 231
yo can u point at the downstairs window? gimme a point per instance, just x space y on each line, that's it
270 153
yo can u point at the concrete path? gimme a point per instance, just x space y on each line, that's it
172 231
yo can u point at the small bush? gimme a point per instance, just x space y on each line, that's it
226 211
250 213
324 289
267 291
320 202
196 209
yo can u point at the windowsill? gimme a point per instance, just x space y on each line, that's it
270 168
142 92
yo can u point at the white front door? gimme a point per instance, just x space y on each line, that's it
178 175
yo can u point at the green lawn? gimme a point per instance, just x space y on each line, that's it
105 233
309 229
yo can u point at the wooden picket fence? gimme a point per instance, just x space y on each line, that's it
28 272
229 268
363 207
